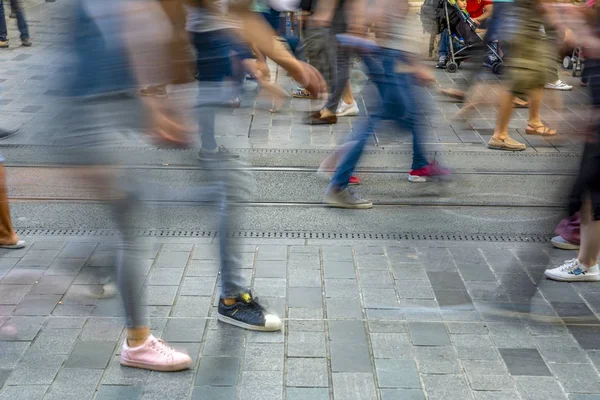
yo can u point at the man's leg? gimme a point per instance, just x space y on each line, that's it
21 23
3 32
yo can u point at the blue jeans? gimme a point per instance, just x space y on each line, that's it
21 23
444 49
213 66
398 102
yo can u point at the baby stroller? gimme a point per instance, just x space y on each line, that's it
467 30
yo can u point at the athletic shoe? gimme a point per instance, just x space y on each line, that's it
574 271
558 85
219 154
4 44
442 62
154 355
248 313
347 110
326 175
346 199
425 174
561 243
26 42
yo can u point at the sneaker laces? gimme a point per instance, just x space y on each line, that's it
162 347
568 265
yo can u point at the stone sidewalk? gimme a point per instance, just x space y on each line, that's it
364 320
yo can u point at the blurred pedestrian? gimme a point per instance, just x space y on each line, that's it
8 237
16 8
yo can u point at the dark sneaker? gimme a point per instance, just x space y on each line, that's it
428 172
346 199
248 313
26 42
219 154
316 119
442 62
4 133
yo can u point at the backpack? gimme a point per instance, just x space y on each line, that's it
431 12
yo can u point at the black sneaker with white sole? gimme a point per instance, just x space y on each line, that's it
221 153
248 313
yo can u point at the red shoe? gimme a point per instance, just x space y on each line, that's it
429 171
354 181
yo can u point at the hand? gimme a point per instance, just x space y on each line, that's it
424 76
308 77
476 21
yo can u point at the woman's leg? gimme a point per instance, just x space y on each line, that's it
589 250
505 109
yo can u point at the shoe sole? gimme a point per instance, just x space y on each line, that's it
560 89
348 113
235 322
565 246
489 146
167 368
575 278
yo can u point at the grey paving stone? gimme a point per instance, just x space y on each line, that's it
165 276
575 313
161 295
109 392
298 277
37 305
337 253
77 250
213 393
258 385
293 393
476 272
227 342
487 291
116 374
414 289
446 387
27 327
510 335
192 306
170 259
446 280
577 378
270 269
36 369
467 328
595 357
90 354
553 291
409 272
202 268
48 285
375 279
387 327
340 308
586 336
379 298
198 286
401 394
372 262
306 326
210 372
421 310
561 349
272 253
37 259
539 388
4 374
527 362
264 357
497 396
353 386
22 276
484 367
397 374
185 247
454 298
339 270
11 353
344 335
341 288
437 360
13 294
24 392
74 384
184 329
73 310
55 341
584 397
307 372
391 345
305 297
429 334
270 287
306 344
65 267
102 329
492 382
382 314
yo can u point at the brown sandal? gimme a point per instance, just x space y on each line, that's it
540 130
507 144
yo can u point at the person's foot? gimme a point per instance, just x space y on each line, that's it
107 291
558 85
347 110
221 153
4 133
345 199
561 243
26 42
317 119
154 355
4 44
300 93
248 313
442 62
574 271
507 144
19 244
428 172
235 102
155 91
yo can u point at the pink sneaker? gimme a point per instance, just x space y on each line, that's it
155 355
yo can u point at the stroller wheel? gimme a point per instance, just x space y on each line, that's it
498 68
452 67
567 62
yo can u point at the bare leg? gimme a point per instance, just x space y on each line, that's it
535 105
590 236
347 97
505 109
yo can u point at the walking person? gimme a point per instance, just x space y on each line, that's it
16 8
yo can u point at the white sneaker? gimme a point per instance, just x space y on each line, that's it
574 271
561 243
347 110
558 85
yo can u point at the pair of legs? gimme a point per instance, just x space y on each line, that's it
21 23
